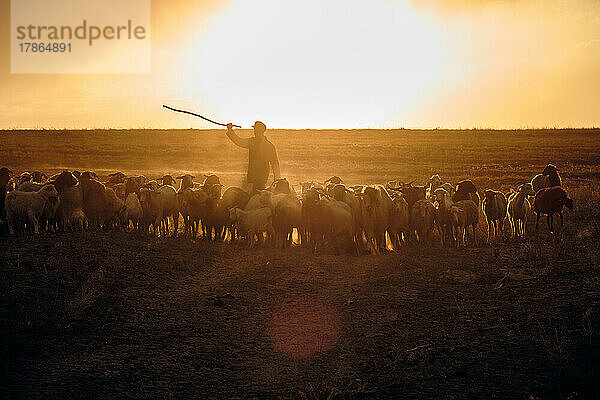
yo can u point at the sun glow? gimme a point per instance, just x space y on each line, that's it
340 63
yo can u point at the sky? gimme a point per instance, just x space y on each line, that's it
335 64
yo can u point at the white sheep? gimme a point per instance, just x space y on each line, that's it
443 216
465 213
252 223
170 207
519 208
27 206
132 211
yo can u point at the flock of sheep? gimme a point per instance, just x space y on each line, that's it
330 215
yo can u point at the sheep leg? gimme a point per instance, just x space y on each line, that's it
551 217
561 219
490 224
537 221
10 221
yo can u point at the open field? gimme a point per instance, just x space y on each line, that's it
115 315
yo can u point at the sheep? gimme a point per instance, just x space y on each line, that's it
341 193
152 184
113 206
539 181
255 202
252 223
287 215
553 177
518 209
28 206
281 186
193 206
24 177
48 218
5 176
548 178
433 183
376 210
443 217
384 212
168 180
369 204
422 219
63 181
94 201
131 212
212 221
70 209
336 180
494 207
337 224
412 194
133 184
89 175
29 186
466 190
71 202
305 186
187 182
211 179
39 177
150 201
464 213
312 231
116 178
232 197
399 221
120 190
550 201
170 208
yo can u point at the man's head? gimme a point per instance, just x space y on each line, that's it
259 128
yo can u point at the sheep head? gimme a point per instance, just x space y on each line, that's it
48 191
281 186
550 170
526 189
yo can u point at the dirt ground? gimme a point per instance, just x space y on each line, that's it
120 315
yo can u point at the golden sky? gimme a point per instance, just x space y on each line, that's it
336 64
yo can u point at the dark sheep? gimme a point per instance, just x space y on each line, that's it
553 177
116 177
336 180
412 194
211 179
63 181
281 186
5 175
550 201
466 190
89 175
168 180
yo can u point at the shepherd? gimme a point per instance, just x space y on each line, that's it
262 156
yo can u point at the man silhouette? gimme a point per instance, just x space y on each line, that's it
262 156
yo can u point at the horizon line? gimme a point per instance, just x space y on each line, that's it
306 129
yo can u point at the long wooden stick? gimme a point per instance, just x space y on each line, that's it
197 115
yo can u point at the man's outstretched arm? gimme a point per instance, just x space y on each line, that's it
242 142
